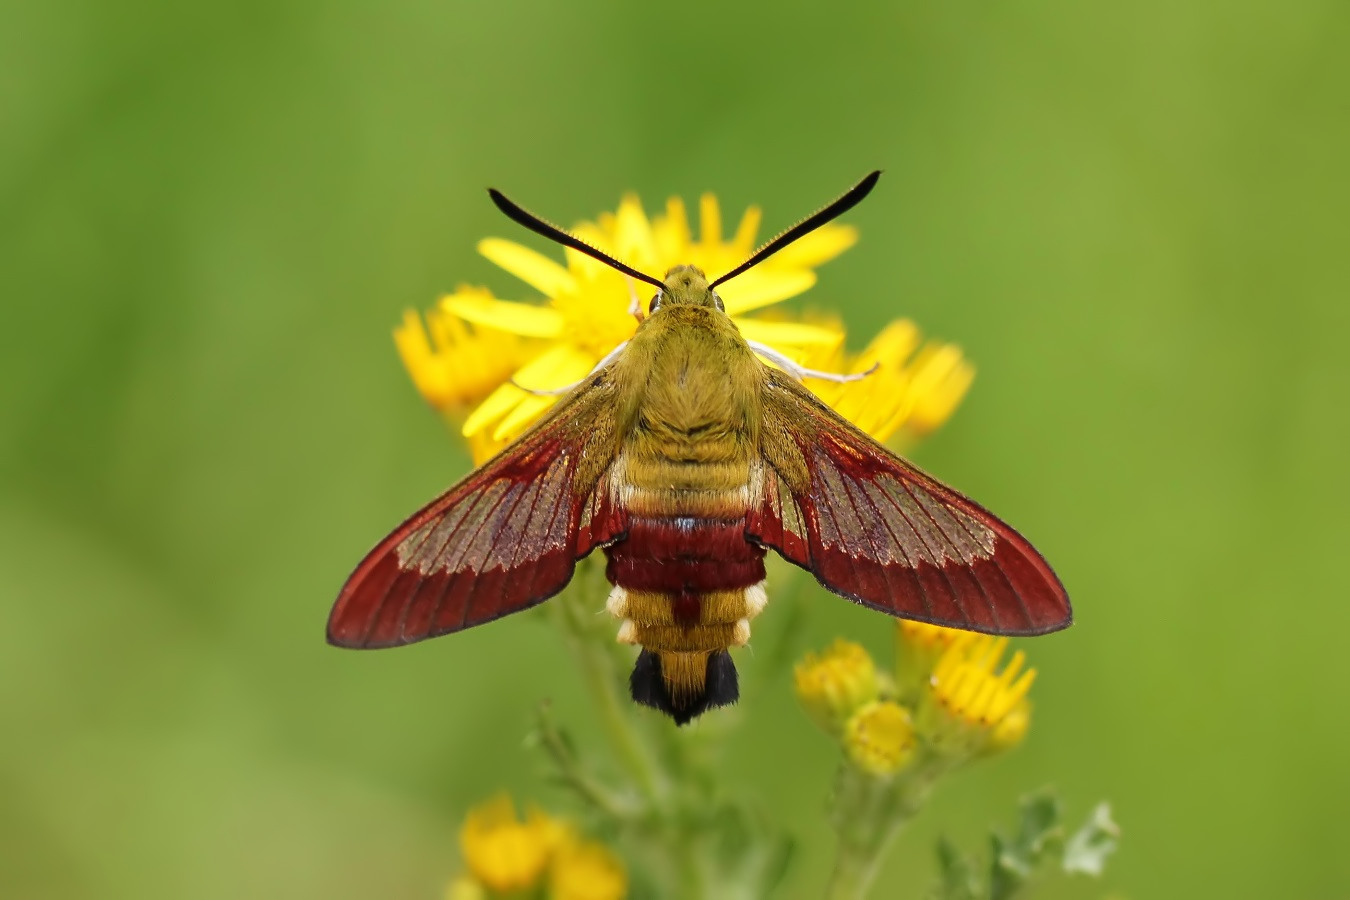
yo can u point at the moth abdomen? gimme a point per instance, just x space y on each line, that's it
686 588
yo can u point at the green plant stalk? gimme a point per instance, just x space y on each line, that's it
601 675
670 769
600 796
601 671
868 812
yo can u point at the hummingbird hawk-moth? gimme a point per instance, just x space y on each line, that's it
685 458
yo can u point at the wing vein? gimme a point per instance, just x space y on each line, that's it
476 579
452 569
923 593
936 552
849 486
993 613
1007 579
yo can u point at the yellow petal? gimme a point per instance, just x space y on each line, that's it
818 247
498 403
763 287
557 368
789 334
504 315
415 349
710 219
633 234
744 241
892 346
672 232
535 269
937 406
583 267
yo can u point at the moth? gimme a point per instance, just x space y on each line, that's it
685 457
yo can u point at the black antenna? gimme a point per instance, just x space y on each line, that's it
554 233
851 198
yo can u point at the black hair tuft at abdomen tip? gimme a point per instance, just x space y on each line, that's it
721 687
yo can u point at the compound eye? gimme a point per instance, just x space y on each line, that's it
717 301
656 303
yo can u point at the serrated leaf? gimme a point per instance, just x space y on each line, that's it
1007 870
956 871
1086 851
1039 825
1013 861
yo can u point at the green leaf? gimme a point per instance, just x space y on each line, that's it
1087 850
1014 861
957 873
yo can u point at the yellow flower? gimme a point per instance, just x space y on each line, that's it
589 305
585 870
976 706
501 851
879 738
832 685
913 388
489 354
918 647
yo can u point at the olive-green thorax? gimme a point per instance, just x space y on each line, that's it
688 383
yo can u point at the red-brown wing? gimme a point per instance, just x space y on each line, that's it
874 528
503 539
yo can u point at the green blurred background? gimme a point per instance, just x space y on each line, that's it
1133 217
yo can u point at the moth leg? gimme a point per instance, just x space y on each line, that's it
800 372
557 392
634 304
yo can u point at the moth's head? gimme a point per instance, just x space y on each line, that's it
686 286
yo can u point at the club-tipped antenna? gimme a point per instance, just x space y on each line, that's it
522 216
849 199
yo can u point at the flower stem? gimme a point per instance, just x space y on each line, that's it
559 749
868 813
599 669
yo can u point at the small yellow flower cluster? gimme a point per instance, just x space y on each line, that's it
976 707
539 856
950 698
477 358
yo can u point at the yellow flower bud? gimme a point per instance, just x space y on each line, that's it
504 853
832 685
974 706
586 870
879 738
